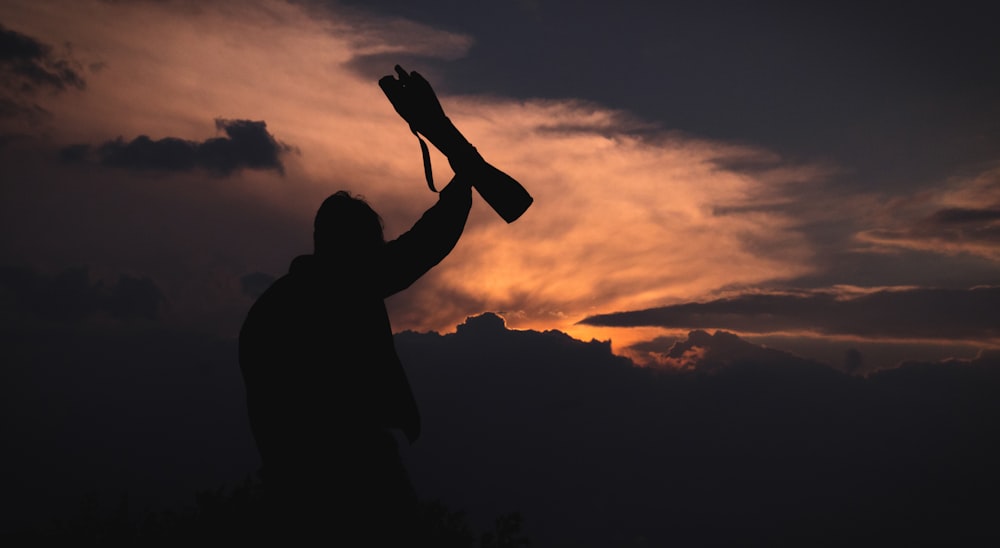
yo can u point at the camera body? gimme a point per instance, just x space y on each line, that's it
415 101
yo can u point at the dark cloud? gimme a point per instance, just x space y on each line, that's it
749 446
963 226
247 145
28 65
255 283
73 154
960 226
140 411
70 297
659 344
12 109
853 360
908 97
850 356
707 353
133 298
965 215
985 358
912 313
759 448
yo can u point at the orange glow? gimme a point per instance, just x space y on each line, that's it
907 223
620 221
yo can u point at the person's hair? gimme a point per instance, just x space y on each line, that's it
346 224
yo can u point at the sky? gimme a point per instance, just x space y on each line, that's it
679 154
821 181
783 150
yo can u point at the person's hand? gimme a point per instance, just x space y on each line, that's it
414 99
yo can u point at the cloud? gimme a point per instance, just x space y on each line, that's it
132 297
590 449
377 42
707 353
624 213
70 297
618 219
104 410
908 313
986 358
255 283
247 145
626 217
30 112
28 65
961 217
593 450
958 215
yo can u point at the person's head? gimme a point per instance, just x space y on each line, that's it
346 225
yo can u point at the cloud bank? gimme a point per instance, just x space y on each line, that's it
916 313
745 445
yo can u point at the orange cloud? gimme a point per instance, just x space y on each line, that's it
962 216
625 215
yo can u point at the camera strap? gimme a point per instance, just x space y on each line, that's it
426 153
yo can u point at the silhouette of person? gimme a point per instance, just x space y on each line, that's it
324 384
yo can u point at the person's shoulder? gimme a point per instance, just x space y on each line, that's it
280 289
303 264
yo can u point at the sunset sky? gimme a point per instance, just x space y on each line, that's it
742 160
820 180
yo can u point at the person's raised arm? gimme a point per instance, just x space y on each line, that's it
431 239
